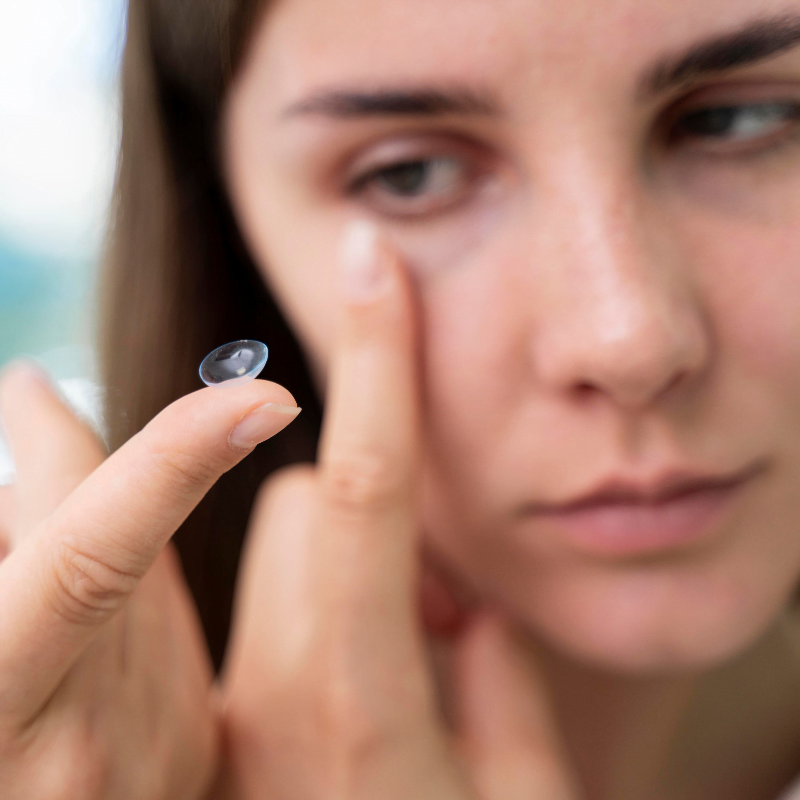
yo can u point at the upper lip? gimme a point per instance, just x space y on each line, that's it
668 485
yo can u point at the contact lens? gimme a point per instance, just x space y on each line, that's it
234 363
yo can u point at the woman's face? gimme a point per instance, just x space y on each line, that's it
599 201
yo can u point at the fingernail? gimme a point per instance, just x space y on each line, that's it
364 266
260 424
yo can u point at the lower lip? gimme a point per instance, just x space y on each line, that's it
627 529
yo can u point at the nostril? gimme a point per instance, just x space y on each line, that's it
629 390
585 390
677 380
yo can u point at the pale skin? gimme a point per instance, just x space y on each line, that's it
583 288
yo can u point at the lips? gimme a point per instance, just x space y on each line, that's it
625 517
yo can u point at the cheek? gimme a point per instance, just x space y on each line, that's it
476 366
481 388
755 291
740 229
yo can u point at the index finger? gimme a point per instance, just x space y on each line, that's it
327 676
66 581
370 442
370 460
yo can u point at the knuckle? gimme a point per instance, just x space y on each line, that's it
368 481
86 588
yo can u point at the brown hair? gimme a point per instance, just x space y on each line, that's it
178 280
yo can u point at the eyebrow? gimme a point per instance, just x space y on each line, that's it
756 41
425 102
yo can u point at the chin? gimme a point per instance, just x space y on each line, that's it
669 615
667 620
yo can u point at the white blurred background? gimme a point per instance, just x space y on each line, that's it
59 61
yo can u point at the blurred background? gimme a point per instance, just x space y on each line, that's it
59 62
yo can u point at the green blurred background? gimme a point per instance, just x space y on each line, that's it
59 62
58 134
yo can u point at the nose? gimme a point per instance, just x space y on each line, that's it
622 316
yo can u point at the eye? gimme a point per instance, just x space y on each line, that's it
731 125
413 178
416 186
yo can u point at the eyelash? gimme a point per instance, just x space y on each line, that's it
699 128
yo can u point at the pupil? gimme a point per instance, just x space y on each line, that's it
405 178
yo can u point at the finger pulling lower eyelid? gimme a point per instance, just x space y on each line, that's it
364 262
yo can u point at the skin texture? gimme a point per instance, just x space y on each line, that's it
589 295
611 299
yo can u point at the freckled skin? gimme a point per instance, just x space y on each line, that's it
613 303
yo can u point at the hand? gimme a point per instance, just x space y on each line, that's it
327 691
104 677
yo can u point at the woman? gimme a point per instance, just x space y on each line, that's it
541 262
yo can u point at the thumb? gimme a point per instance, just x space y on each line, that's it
504 724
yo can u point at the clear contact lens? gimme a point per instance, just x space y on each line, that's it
234 363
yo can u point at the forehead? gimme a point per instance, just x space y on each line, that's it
313 43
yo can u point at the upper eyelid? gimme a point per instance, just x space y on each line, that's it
699 109
739 93
404 160
419 145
